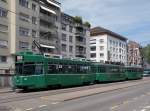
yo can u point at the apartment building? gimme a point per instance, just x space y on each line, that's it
106 45
5 58
134 53
74 38
22 22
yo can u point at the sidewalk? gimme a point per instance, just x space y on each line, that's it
6 90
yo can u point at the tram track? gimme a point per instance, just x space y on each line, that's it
32 95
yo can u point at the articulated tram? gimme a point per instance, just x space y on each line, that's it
34 71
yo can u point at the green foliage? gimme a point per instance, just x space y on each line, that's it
146 53
78 19
87 24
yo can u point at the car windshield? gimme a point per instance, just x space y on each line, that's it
29 69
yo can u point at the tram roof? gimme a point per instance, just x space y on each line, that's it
30 56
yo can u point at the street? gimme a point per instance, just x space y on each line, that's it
134 97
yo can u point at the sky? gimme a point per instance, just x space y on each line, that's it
130 18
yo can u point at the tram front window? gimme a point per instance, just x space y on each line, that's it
29 69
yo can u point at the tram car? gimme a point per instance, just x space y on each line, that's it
108 72
35 71
133 72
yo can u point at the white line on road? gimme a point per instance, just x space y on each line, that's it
42 106
143 110
55 103
29 109
147 107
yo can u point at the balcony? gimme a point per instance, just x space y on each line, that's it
47 18
81 41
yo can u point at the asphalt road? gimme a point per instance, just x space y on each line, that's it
135 98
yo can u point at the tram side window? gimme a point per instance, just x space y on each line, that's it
102 69
52 69
33 69
94 69
38 69
114 69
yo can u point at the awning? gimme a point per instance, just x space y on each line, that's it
46 46
53 3
51 11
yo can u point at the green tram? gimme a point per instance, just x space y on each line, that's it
108 72
35 71
38 71
133 72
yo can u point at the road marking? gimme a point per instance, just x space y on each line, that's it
114 107
147 107
42 106
126 102
45 98
29 109
143 110
55 103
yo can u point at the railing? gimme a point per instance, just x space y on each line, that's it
47 18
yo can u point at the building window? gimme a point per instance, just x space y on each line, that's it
34 20
64 27
70 49
4 1
70 29
3 59
64 37
34 33
24 3
33 7
3 12
93 55
64 47
70 39
101 55
24 17
23 45
3 44
24 32
101 40
3 28
110 42
101 48
93 48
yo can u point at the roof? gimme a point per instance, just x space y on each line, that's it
100 31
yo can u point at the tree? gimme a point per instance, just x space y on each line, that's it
146 53
78 19
87 24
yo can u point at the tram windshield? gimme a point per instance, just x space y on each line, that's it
29 69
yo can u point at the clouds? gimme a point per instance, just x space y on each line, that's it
127 17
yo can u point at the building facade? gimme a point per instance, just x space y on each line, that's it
74 38
134 54
107 46
22 22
